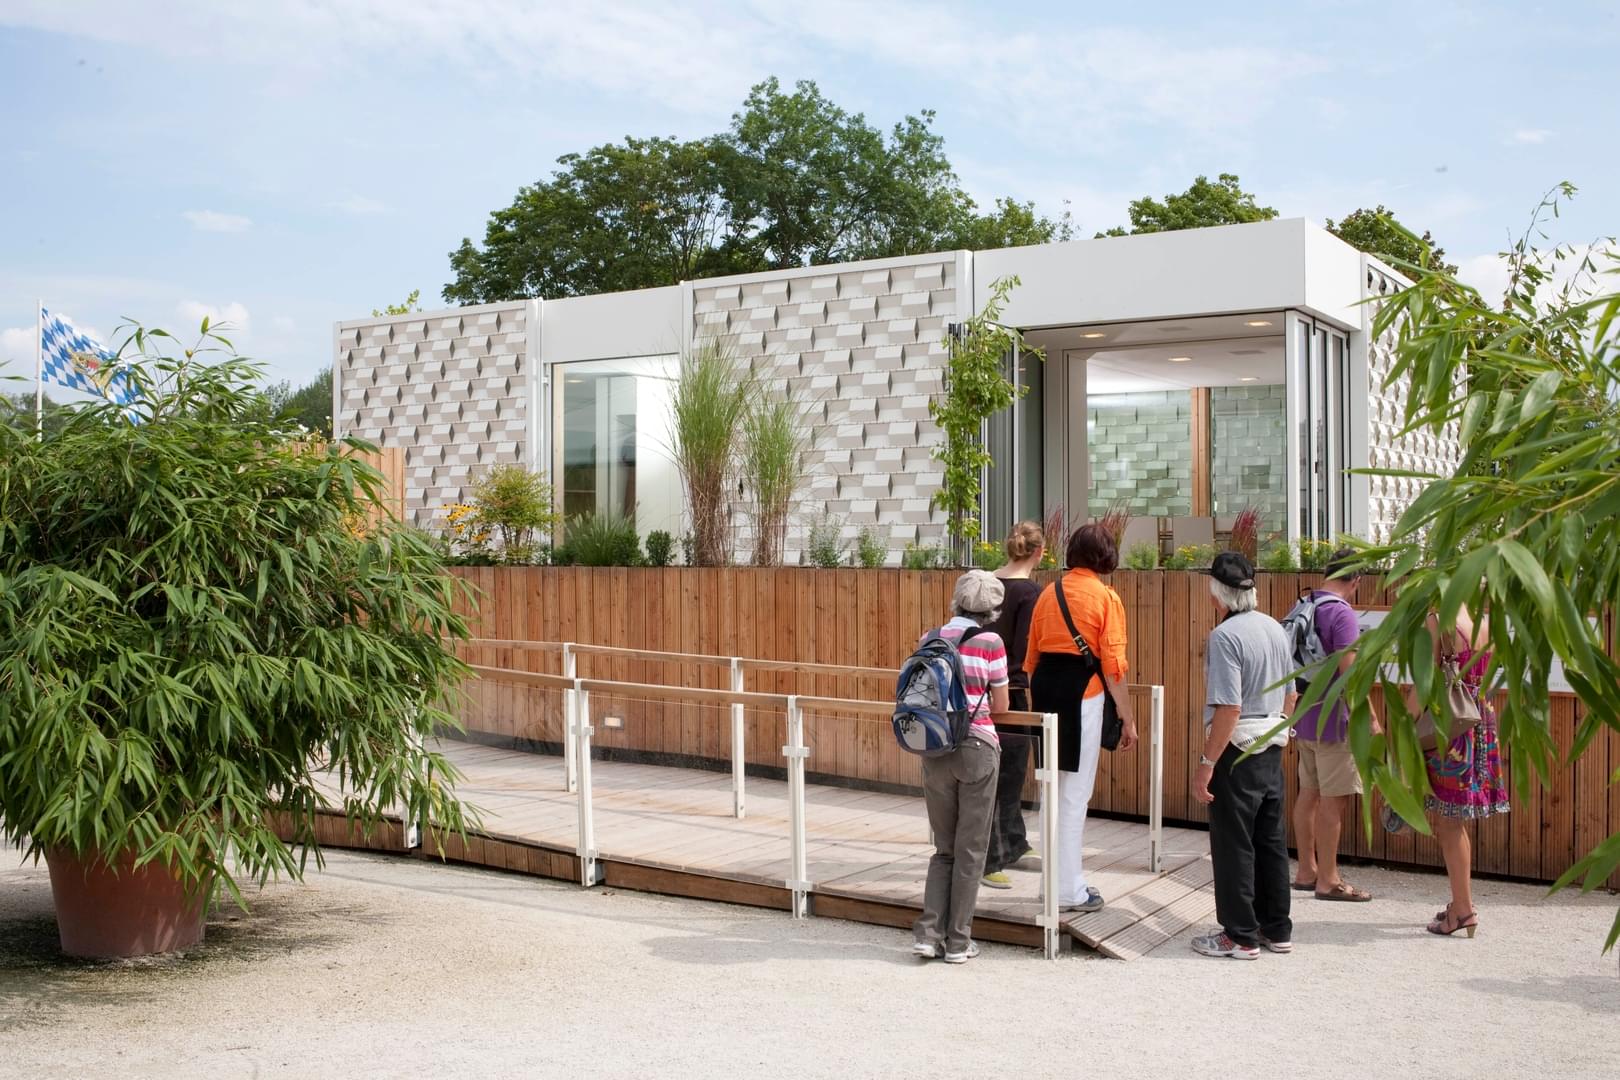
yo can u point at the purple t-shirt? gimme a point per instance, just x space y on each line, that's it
1337 627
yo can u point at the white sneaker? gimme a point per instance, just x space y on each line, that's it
1276 946
927 950
1218 944
964 956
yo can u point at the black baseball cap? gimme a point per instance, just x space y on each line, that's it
1231 568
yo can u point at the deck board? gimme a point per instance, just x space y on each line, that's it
860 845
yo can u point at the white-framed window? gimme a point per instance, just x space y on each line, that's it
611 440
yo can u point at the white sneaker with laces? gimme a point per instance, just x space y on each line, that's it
964 956
1218 944
927 950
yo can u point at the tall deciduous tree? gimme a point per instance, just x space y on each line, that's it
1377 232
796 180
1205 203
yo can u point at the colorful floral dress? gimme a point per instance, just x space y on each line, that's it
1467 778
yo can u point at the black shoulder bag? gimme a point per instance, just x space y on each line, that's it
1113 728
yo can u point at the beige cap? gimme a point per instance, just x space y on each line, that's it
977 591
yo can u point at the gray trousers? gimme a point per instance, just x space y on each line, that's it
960 790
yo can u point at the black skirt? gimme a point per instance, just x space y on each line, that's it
1058 685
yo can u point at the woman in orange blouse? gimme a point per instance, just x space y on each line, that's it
1056 673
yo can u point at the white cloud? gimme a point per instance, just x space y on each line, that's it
233 316
360 205
17 347
1066 78
1489 273
214 221
1530 136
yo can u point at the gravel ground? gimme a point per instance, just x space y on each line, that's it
387 967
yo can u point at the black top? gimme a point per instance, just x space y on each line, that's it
1017 605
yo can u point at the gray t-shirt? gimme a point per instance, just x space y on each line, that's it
1248 653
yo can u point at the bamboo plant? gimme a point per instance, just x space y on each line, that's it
199 614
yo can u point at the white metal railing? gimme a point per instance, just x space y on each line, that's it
577 746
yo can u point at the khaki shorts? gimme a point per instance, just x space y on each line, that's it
1329 768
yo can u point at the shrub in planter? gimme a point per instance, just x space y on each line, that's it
1191 557
870 551
660 548
989 556
603 540
197 614
825 545
924 557
513 504
1279 558
1142 555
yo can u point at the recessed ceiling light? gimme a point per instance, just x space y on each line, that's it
1258 322
1247 378
1180 359
1094 334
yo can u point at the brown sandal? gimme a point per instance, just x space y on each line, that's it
1345 893
1303 886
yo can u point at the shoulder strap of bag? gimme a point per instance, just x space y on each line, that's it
1068 620
968 634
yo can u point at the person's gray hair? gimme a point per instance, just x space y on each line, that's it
977 596
1236 601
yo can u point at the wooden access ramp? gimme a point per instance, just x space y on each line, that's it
672 830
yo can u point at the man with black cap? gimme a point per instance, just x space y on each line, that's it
1246 711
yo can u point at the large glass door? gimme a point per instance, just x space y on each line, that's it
1318 378
610 426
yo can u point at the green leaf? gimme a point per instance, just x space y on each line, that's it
1530 573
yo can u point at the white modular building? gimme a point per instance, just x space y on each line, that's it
1183 376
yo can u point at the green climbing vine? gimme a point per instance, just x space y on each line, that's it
976 388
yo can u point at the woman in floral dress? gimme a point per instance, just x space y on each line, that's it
1465 776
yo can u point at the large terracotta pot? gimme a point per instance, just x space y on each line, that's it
117 911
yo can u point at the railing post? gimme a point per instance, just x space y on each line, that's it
410 831
1156 782
570 665
795 752
586 845
739 748
1046 776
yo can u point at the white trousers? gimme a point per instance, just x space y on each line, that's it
1074 797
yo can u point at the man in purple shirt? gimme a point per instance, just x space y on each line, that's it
1327 770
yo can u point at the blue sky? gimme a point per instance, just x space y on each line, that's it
289 164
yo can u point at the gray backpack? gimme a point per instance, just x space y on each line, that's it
1303 640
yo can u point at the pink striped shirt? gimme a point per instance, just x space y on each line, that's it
984 666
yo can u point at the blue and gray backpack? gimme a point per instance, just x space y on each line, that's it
931 711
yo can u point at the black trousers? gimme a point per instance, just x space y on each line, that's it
1008 837
1249 847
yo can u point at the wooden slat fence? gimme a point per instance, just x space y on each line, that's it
873 618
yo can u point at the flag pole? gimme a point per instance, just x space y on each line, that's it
39 369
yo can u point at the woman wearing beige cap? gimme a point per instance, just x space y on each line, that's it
960 787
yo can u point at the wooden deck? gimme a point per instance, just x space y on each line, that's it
671 830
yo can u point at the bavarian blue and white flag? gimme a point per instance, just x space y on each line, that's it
69 357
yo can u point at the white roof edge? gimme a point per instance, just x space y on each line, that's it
435 313
821 269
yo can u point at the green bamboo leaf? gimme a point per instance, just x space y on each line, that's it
1530 573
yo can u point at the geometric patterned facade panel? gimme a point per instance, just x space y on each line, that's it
1418 451
861 352
449 388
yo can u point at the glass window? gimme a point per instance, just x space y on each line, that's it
612 439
